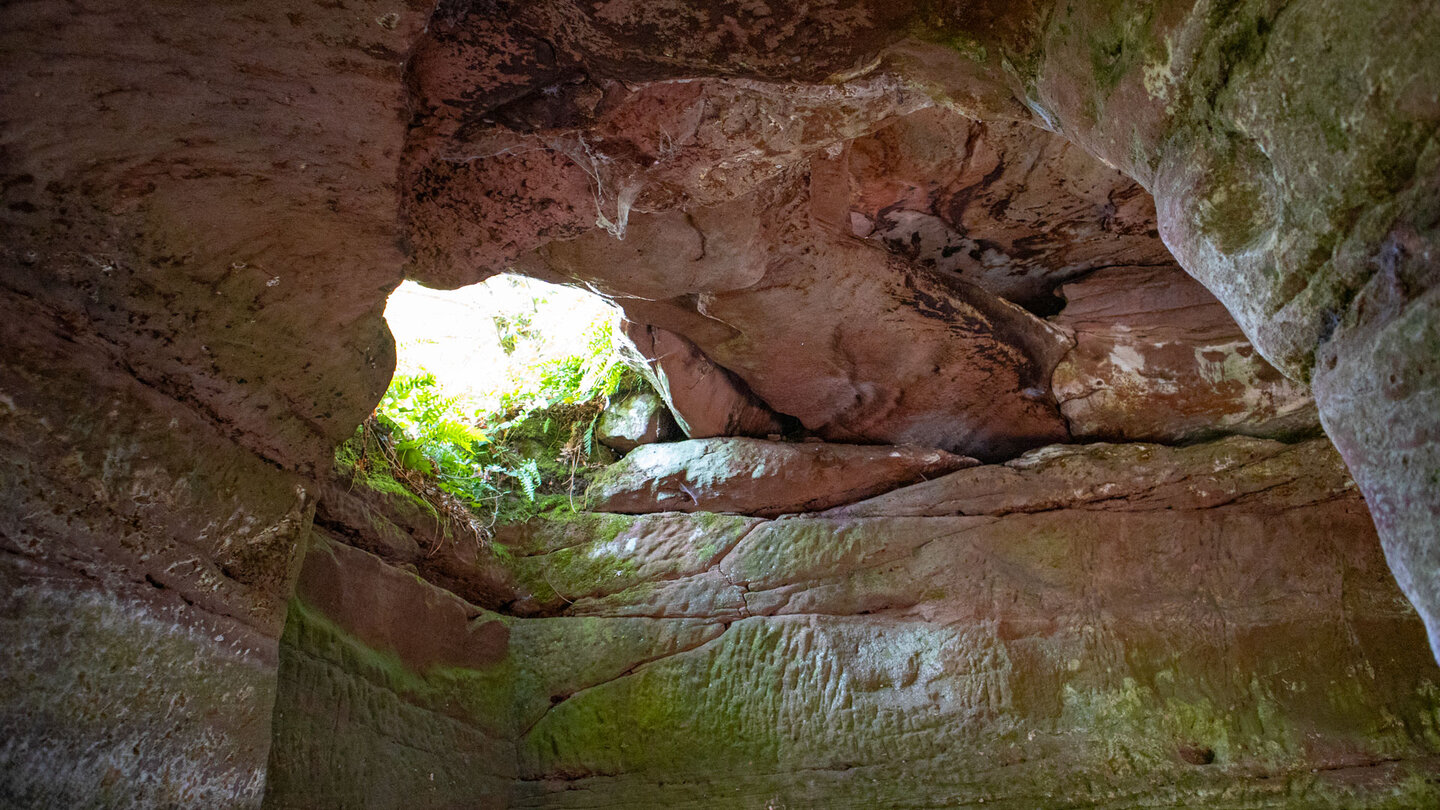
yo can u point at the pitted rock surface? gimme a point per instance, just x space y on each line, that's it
1314 228
1003 633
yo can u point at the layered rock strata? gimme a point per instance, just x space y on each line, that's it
750 477
1157 358
197 208
1290 149
1097 626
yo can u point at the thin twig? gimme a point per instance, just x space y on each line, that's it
546 575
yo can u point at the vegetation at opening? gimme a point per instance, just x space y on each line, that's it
529 448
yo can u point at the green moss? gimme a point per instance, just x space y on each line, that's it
714 521
482 697
1333 130
653 722
1393 168
559 441
1108 62
572 573
1245 41
1140 726
386 484
515 509
1418 788
933 25
1118 49
361 461
1235 210
959 42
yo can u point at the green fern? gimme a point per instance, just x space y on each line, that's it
590 435
528 474
530 453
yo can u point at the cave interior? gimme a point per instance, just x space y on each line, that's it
1055 393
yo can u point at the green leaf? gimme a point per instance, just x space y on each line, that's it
411 456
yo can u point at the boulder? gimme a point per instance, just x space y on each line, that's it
752 477
633 420
705 399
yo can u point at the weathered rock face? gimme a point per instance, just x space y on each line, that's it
1006 206
1315 228
197 220
145 562
405 659
1379 392
831 363
1158 359
199 232
1216 618
705 399
791 245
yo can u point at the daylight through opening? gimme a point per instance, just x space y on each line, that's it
496 403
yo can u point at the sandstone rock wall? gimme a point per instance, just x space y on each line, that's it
197 219
199 232
1107 625
145 562
1290 148
1157 358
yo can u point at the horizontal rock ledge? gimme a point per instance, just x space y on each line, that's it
763 478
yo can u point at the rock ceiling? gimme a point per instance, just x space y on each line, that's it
851 257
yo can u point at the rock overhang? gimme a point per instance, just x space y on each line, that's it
850 254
